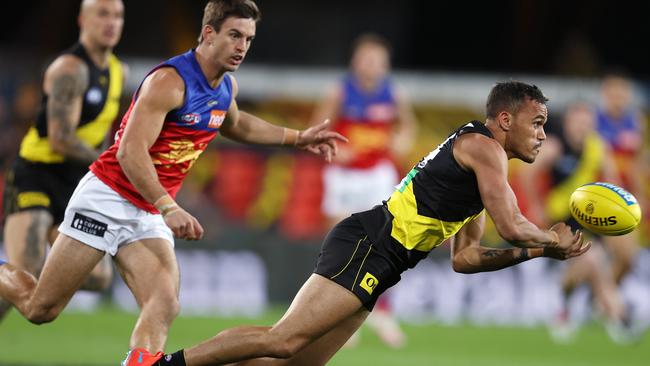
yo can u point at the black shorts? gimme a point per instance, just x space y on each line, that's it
349 258
31 186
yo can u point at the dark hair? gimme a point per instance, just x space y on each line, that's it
509 95
371 38
217 11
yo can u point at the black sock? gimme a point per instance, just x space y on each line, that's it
172 359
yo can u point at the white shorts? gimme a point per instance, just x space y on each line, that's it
348 190
99 217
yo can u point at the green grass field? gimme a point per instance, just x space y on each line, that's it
100 338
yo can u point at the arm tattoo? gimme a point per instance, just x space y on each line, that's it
523 255
506 259
65 88
491 253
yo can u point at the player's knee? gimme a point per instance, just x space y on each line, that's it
166 304
43 314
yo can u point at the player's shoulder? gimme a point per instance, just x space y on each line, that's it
475 142
164 87
67 64
165 77
477 148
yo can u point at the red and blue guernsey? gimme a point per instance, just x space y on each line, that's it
366 118
185 134
625 137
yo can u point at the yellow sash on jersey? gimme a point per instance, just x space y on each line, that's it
415 231
37 149
557 204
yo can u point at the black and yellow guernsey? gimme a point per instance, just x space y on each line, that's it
435 199
99 109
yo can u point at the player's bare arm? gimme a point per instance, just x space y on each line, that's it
487 159
330 105
406 125
161 92
65 82
245 127
468 256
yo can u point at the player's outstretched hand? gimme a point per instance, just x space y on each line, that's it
183 225
570 245
318 140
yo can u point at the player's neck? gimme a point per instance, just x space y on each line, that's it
213 72
498 134
367 84
98 54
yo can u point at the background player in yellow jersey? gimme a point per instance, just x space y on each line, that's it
575 155
81 91
442 197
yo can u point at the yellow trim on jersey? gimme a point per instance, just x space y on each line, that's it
557 204
37 149
415 231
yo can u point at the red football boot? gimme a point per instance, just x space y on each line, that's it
141 357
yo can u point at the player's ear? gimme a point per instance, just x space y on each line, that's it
505 120
206 33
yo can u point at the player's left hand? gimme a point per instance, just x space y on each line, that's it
576 247
318 140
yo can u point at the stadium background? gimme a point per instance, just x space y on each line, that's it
261 206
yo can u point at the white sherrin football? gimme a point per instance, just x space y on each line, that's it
605 208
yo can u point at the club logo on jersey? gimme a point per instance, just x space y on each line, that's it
369 282
381 112
94 95
191 118
216 118
88 225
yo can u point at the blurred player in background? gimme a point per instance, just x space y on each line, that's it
444 196
81 92
623 127
125 205
377 118
574 154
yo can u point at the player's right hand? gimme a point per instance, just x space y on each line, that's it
570 244
184 225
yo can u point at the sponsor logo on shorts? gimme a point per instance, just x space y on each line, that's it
88 225
33 199
369 282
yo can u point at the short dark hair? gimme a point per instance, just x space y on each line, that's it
217 11
509 95
371 38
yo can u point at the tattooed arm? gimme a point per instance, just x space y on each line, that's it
66 80
468 256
